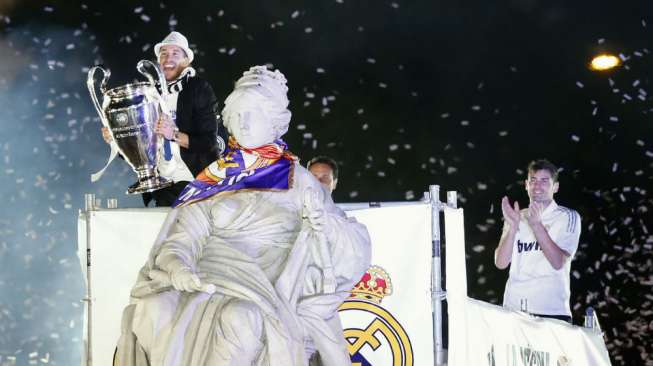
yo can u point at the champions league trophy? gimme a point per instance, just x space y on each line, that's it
130 113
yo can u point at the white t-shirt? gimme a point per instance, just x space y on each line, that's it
175 168
532 277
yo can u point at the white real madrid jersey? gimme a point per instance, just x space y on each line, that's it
175 168
533 280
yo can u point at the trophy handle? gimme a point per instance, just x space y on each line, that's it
90 83
162 81
159 74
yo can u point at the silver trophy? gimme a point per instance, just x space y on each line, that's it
130 112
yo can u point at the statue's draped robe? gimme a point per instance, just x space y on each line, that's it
266 262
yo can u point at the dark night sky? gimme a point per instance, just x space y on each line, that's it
403 94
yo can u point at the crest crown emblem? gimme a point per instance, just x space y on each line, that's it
373 286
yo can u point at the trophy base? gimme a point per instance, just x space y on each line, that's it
150 184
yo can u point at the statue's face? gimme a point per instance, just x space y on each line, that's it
247 122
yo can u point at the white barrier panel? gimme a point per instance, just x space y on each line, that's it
397 331
120 241
496 336
485 334
393 329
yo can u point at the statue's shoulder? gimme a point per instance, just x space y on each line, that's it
303 177
300 173
304 180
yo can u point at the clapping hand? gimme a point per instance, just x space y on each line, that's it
510 213
535 213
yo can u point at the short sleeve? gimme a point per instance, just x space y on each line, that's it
568 234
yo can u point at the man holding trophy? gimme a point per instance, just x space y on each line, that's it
190 133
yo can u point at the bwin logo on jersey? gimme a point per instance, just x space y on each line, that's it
374 336
527 247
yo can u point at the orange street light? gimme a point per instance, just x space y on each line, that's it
604 62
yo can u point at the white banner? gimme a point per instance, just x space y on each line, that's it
120 241
397 329
388 324
485 334
495 336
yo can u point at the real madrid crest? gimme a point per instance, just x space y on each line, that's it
374 335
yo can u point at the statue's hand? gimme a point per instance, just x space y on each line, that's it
185 280
314 210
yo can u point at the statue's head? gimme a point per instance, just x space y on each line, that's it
256 112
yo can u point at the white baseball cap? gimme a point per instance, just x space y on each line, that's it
175 39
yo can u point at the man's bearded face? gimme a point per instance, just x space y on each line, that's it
173 61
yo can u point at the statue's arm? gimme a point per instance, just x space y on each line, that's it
182 246
349 245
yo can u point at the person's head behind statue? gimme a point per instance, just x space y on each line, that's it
325 169
256 112
173 54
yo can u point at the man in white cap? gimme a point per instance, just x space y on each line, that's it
193 136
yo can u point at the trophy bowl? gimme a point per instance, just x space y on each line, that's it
130 112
